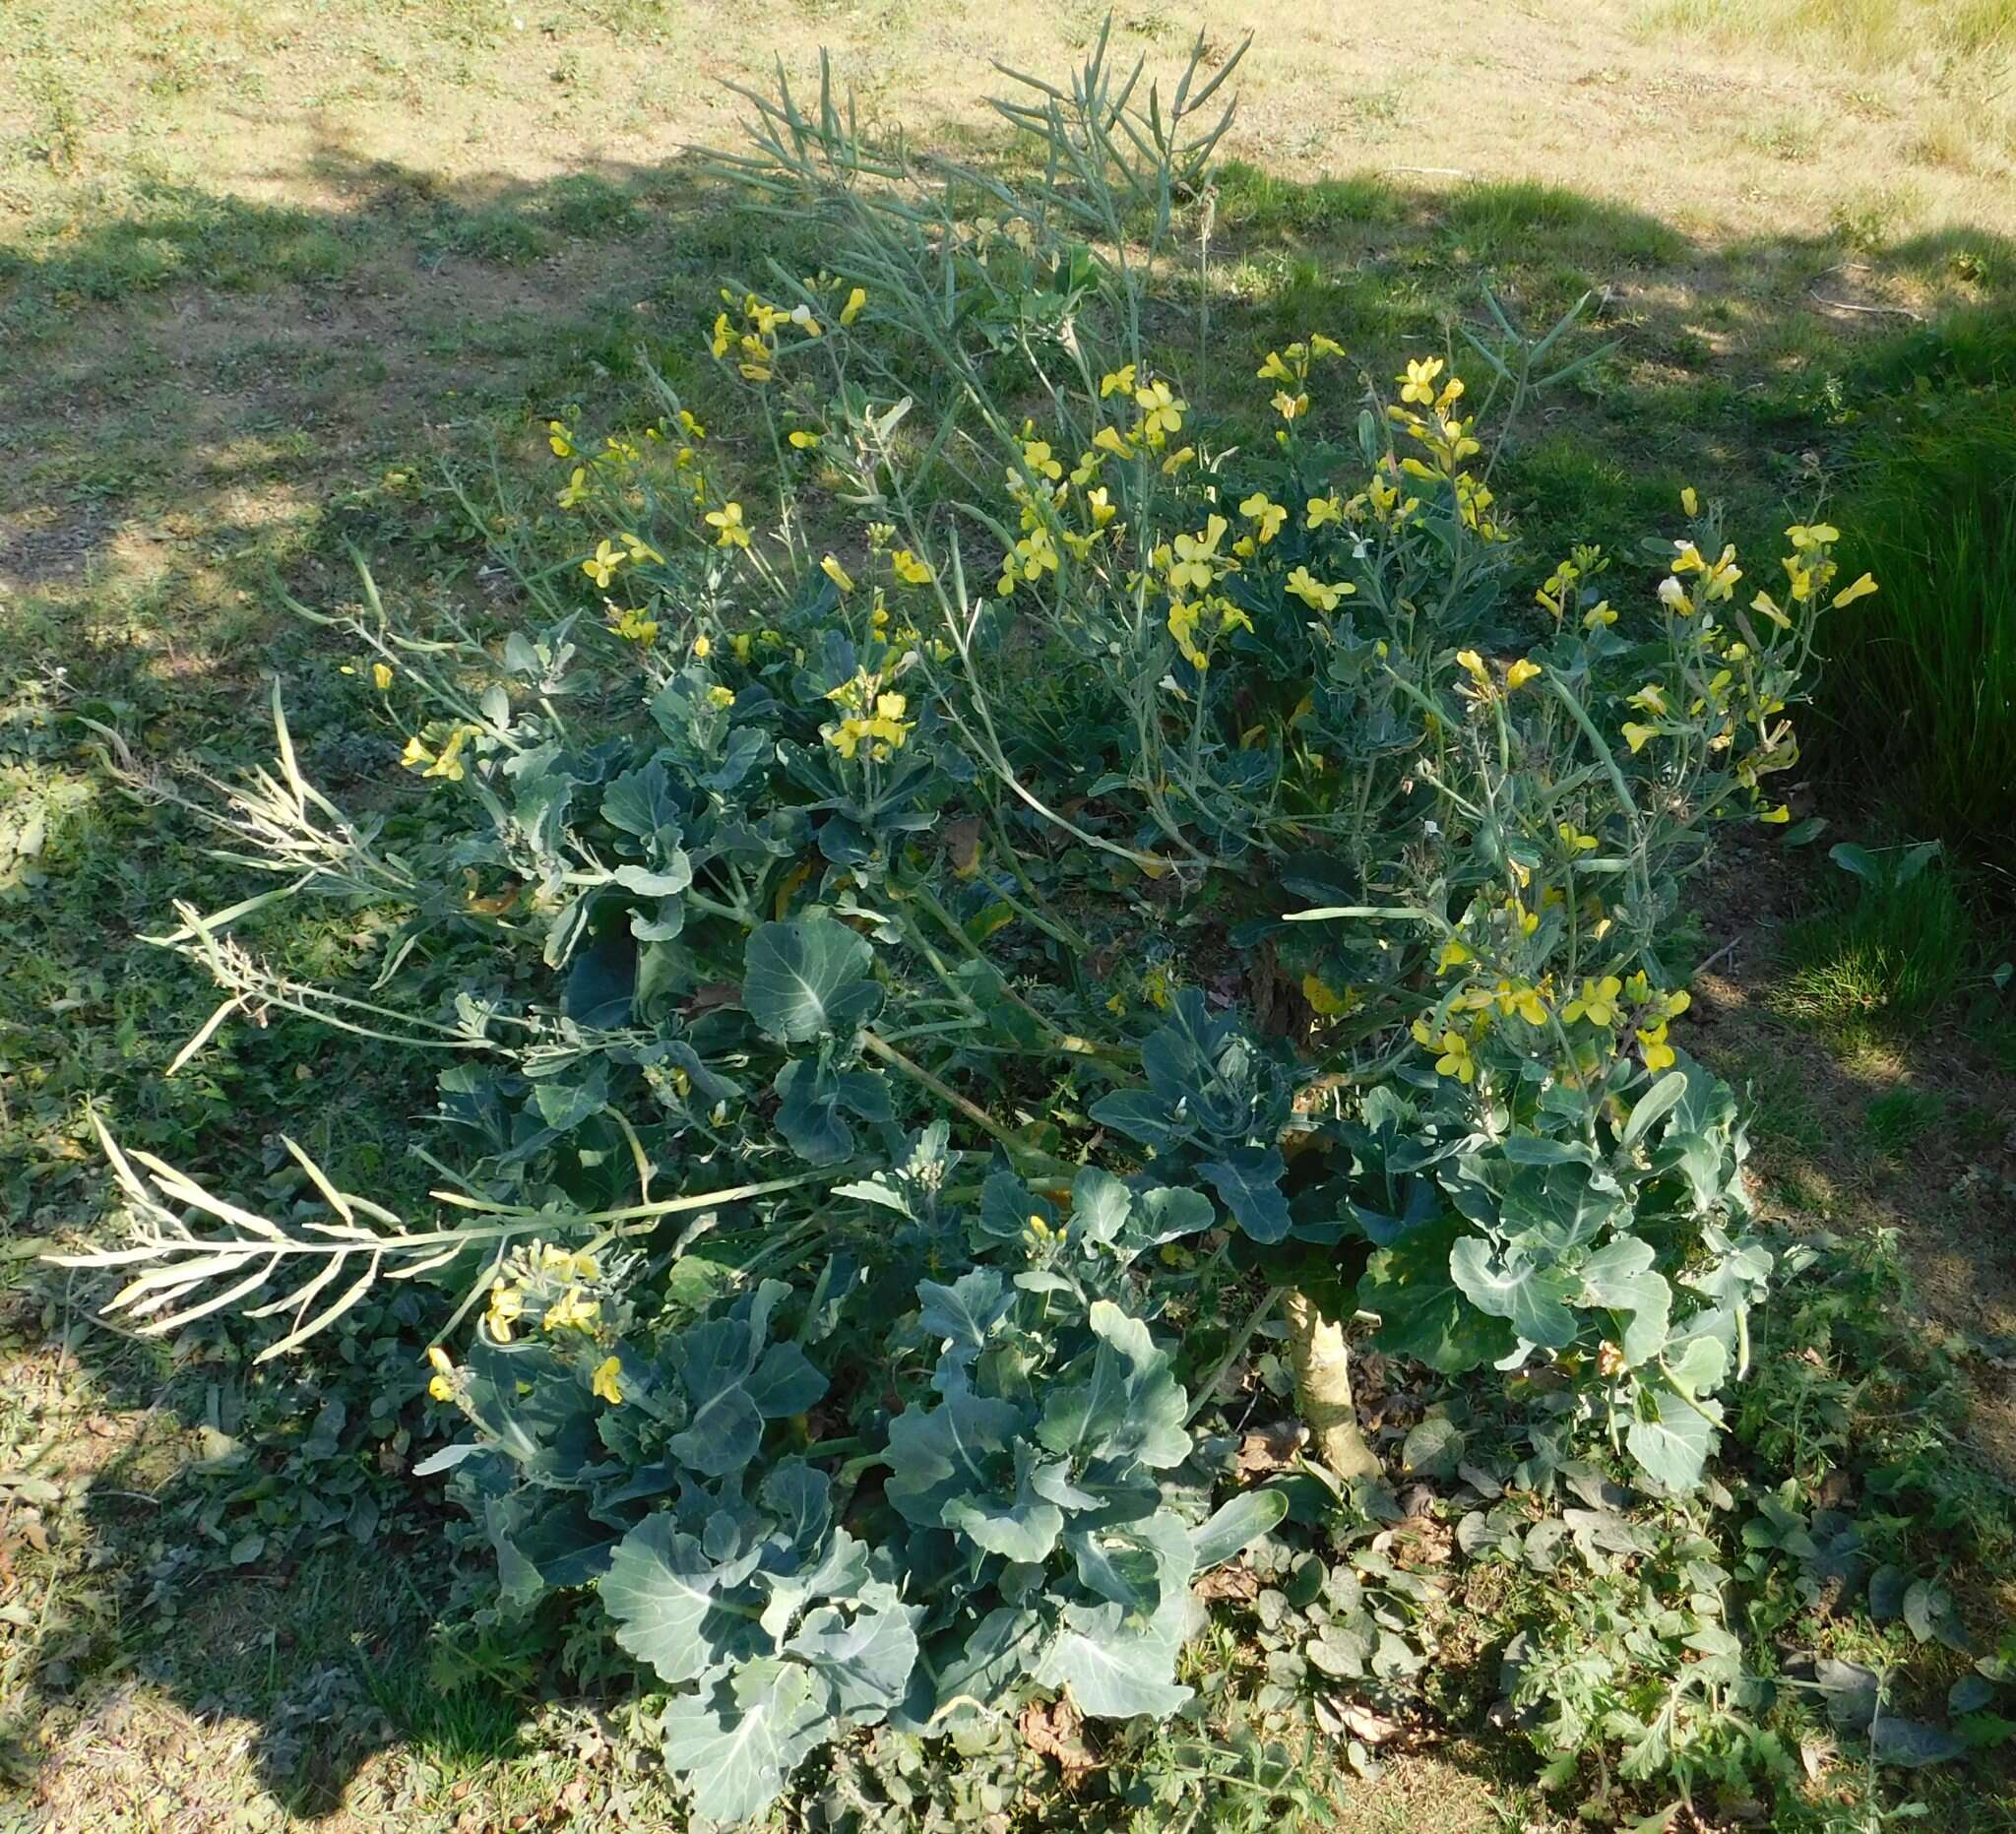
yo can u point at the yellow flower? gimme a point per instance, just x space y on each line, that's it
1112 439
1102 510
601 566
1520 673
1598 614
1804 536
1657 1053
908 568
641 550
1473 666
576 493
1314 593
1689 501
416 753
1035 454
803 440
1636 735
838 574
729 520
1419 384
604 1384
1650 699
1671 593
1599 1002
1575 840
1197 564
442 1386
1456 1059
556 437
1117 382
1268 514
722 335
1275 371
1289 406
449 764
855 300
1161 412
1454 955
718 696
1862 589
1320 345
1782 813
703 647
1322 510
506 1305
572 1312
1520 999
381 675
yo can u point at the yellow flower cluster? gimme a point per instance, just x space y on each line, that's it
869 718
447 762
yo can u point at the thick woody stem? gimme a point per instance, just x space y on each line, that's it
1322 1370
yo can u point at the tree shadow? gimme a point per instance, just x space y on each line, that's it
206 394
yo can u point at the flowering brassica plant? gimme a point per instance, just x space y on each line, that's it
859 1230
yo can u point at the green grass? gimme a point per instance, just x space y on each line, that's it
1921 684
1879 958
1898 1120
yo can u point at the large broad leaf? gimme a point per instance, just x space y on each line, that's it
1248 1178
865 1664
940 1455
1672 1437
808 977
1549 1210
734 1385
737 1745
965 1313
1620 1275
1019 1524
1530 1297
1099 1205
1139 1114
1130 1405
643 802
1114 1666
814 1099
1423 1313
997 1652
661 1591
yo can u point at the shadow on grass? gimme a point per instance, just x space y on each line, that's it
202 397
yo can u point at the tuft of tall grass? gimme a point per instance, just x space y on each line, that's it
1883 953
1919 683
1864 33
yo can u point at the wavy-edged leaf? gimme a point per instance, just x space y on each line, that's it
810 976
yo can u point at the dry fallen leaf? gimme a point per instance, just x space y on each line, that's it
1271 1449
1055 1729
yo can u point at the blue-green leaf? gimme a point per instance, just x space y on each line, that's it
1248 1178
808 977
737 1745
1129 1407
1235 1526
661 1591
1533 1298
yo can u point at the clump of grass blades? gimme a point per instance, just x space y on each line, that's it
1880 955
1921 687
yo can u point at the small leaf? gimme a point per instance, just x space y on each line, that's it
1236 1526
